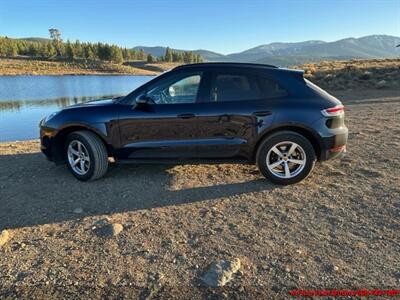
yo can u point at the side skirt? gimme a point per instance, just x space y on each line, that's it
183 161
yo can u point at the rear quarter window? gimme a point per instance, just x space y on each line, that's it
234 87
270 89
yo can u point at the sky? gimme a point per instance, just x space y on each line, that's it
218 25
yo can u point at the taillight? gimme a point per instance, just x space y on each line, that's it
335 111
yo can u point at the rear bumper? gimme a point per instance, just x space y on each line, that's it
335 145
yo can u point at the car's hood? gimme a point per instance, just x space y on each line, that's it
99 102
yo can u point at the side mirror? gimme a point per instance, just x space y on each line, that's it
142 100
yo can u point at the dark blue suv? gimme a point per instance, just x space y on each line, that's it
204 113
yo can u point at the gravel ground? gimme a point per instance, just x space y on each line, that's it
338 229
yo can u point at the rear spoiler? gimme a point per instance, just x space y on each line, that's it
298 74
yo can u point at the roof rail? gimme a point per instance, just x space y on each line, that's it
207 64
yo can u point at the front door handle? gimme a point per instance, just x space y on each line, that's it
261 113
186 116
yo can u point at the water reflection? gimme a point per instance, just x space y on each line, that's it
16 105
25 100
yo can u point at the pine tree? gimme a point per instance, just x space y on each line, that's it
55 35
8 47
12 49
22 49
69 51
133 55
168 55
88 52
78 49
188 57
2 47
50 51
150 58
43 50
33 49
141 55
116 54
175 56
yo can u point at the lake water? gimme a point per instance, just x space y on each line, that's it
25 100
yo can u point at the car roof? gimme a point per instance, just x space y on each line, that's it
224 65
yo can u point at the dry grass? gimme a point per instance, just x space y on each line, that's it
44 67
354 74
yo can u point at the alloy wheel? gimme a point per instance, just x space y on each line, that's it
286 159
78 157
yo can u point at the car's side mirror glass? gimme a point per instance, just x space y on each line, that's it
143 99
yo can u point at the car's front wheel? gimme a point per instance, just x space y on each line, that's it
86 155
286 157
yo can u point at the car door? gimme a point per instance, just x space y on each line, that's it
167 126
234 113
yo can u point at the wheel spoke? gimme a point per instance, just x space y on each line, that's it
276 150
287 170
80 148
82 165
297 161
274 165
292 148
76 162
72 150
86 158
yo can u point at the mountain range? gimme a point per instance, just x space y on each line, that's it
287 54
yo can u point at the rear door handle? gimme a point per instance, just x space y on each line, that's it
186 116
261 113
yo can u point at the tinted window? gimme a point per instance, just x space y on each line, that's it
234 87
270 89
176 89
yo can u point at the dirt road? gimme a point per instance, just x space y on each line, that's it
338 229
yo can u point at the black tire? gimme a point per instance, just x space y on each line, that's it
97 153
280 137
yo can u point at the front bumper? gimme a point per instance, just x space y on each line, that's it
47 140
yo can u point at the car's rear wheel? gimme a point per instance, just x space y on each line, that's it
286 157
86 155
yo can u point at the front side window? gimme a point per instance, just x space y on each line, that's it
176 90
233 87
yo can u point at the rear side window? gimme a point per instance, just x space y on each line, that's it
270 89
234 87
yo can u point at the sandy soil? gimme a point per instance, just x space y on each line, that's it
338 229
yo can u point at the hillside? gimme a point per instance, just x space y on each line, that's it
159 51
374 46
